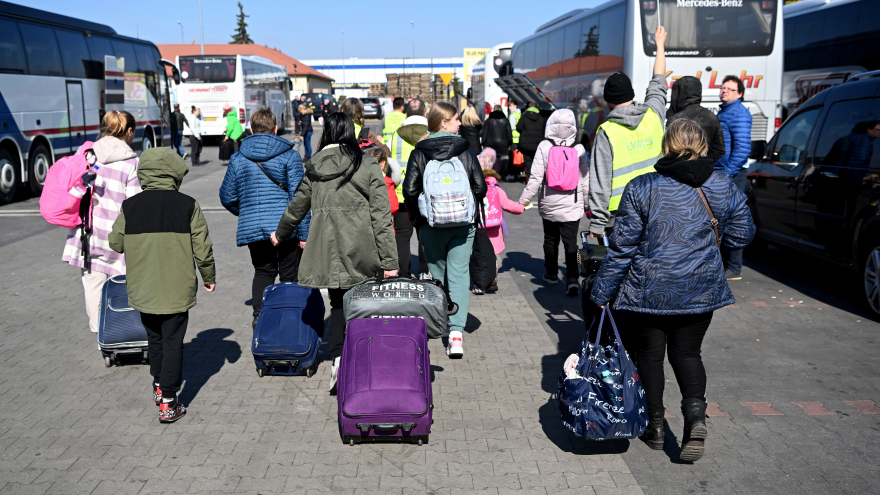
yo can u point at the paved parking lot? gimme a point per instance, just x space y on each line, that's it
792 373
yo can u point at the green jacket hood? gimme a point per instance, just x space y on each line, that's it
533 109
413 128
161 169
329 163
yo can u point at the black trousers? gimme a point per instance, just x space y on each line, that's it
165 349
683 335
337 321
528 158
553 232
403 231
270 262
195 150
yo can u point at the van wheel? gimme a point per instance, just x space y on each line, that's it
871 278
40 161
9 178
147 141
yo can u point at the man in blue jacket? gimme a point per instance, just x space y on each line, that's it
736 125
259 196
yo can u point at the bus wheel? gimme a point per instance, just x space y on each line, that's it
8 177
40 160
147 142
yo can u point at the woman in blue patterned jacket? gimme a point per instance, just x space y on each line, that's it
664 267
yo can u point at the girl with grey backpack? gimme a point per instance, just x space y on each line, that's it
443 188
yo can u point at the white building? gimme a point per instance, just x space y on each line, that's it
353 76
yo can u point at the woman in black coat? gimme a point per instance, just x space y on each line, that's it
531 132
471 128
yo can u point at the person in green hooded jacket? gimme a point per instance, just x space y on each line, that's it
351 238
162 232
233 125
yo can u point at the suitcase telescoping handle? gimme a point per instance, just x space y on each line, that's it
366 427
451 308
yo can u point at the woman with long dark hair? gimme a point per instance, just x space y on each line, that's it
350 235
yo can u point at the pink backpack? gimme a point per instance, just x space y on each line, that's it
563 168
63 190
494 214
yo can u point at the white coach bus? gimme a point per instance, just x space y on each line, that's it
53 92
485 93
245 82
566 62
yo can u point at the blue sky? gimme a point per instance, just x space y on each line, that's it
313 30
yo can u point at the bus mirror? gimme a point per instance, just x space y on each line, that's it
176 75
470 93
289 84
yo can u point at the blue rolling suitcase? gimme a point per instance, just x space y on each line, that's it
120 330
286 337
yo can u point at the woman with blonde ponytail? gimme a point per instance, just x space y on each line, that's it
113 177
448 250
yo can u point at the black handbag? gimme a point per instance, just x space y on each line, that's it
482 264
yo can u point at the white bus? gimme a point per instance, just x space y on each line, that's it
826 43
245 82
485 93
53 92
566 62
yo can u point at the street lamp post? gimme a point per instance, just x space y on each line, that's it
201 28
181 33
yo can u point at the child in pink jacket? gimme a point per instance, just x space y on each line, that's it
496 234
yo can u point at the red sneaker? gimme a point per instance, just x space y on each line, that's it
157 396
170 412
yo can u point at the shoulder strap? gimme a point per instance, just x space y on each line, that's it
351 181
280 185
712 219
365 133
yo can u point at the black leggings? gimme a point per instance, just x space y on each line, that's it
337 321
684 336
165 349
270 262
553 232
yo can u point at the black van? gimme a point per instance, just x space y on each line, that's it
817 187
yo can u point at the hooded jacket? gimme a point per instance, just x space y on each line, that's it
736 124
684 103
351 237
233 125
603 156
531 130
553 205
663 257
496 131
162 233
439 148
117 180
251 196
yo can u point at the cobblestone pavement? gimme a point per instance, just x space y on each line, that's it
70 425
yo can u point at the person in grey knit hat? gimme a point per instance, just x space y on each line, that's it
614 162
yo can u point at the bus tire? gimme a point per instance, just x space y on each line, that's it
40 160
147 141
9 177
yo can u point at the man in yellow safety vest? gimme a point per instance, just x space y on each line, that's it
513 115
627 144
393 121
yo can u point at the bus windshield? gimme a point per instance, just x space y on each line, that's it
711 28
207 69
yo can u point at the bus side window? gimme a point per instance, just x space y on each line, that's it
12 54
41 47
125 51
98 48
74 52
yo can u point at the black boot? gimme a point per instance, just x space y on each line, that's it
693 442
655 432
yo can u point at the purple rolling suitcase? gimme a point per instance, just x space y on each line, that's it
384 382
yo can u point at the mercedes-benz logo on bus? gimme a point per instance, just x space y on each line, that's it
710 53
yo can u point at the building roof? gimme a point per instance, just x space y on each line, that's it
294 66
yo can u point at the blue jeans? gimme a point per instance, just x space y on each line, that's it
448 252
307 143
734 261
177 136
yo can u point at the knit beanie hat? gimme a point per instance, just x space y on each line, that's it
618 89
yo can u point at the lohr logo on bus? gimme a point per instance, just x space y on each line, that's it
715 81
399 290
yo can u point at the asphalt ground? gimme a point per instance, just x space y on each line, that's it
792 372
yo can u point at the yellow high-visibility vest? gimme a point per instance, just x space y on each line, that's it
393 121
400 151
514 118
635 151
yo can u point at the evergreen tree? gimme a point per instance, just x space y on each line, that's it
241 36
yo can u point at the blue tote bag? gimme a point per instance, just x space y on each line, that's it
605 399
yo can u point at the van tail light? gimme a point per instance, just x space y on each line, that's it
241 115
488 109
768 4
778 122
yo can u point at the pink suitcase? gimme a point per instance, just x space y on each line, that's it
384 382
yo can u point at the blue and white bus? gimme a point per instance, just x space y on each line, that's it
53 92
485 92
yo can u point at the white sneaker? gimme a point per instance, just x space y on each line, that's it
184 155
455 349
334 370
478 291
509 178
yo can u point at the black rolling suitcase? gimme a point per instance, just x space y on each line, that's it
227 148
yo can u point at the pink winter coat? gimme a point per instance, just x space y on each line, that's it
495 233
553 205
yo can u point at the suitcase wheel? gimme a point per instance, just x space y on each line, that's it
309 372
261 372
351 442
107 361
420 442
